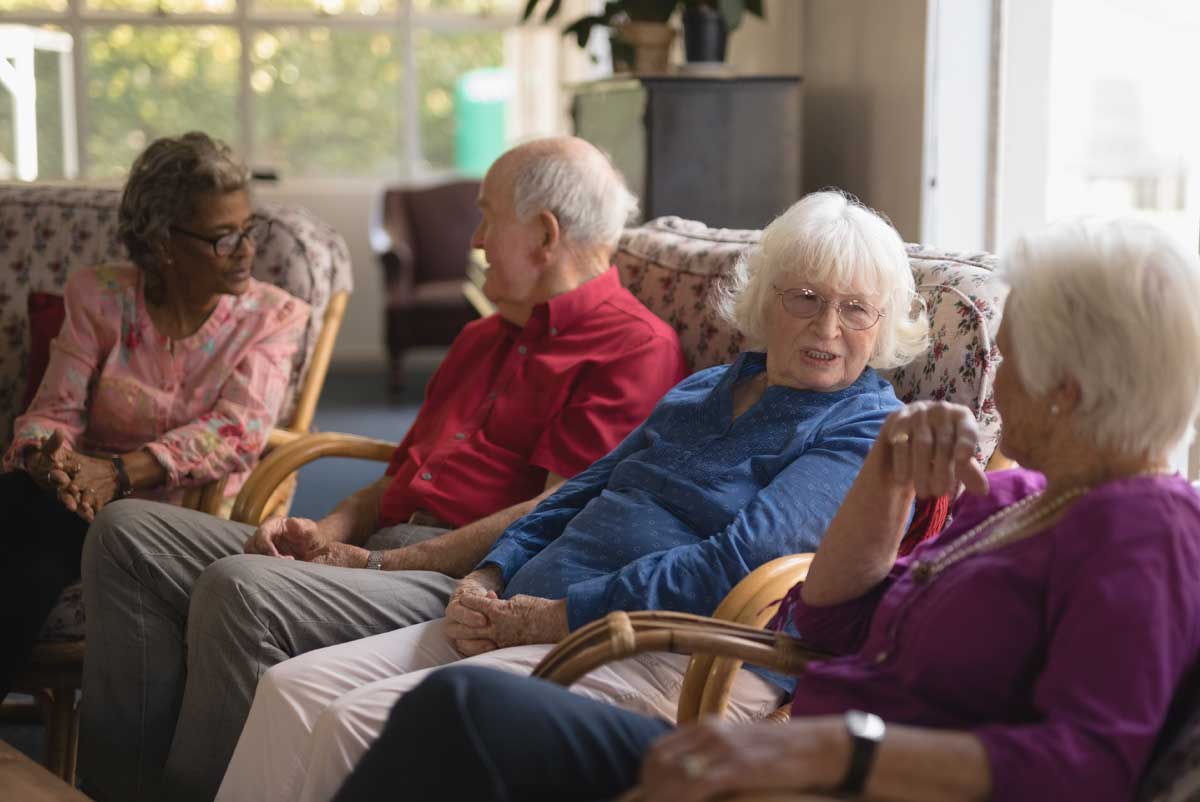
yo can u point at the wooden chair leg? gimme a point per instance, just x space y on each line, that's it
62 731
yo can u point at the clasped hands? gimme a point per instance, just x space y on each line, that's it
478 621
83 483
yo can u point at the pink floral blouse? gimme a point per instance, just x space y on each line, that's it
203 405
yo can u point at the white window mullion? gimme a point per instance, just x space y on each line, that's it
75 27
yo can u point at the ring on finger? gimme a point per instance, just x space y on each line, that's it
899 438
693 766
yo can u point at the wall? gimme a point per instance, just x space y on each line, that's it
864 102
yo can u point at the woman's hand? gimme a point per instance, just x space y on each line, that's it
85 484
709 759
930 445
464 625
48 458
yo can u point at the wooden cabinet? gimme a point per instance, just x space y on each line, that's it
725 151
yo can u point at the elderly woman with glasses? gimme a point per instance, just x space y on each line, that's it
1029 653
737 465
168 372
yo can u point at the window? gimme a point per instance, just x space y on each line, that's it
304 87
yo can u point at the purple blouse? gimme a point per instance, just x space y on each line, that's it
1060 651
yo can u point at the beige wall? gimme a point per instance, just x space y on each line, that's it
864 99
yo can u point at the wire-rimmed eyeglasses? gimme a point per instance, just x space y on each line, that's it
803 302
228 244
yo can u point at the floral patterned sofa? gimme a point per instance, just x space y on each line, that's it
672 265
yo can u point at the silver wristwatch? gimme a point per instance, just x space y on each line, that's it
375 560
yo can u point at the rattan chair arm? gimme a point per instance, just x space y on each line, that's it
753 601
253 502
620 635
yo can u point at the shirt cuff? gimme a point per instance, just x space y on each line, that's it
508 555
586 601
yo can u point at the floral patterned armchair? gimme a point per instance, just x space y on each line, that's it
48 231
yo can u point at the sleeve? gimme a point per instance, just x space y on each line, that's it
606 403
230 437
528 535
838 628
75 356
789 515
1120 638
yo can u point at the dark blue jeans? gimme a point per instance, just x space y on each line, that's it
478 734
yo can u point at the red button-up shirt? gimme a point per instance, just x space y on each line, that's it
510 403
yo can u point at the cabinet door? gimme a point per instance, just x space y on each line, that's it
613 119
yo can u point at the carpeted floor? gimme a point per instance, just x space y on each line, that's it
355 402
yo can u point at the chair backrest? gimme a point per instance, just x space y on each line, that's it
48 231
673 266
431 229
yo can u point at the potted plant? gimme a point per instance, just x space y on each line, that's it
707 24
642 26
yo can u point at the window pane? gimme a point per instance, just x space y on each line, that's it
345 7
33 5
147 82
505 7
1124 130
48 70
169 6
327 102
442 59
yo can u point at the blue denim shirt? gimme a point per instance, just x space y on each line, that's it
692 500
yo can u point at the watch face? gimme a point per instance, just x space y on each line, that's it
864 725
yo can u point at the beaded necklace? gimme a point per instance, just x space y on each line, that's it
1007 522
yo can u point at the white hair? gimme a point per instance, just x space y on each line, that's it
1111 304
587 195
830 238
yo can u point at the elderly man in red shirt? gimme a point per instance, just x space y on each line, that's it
181 626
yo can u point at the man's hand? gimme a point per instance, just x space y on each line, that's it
302 539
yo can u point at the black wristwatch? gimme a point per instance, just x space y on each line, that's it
124 487
866 732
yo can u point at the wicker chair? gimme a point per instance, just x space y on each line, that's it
52 230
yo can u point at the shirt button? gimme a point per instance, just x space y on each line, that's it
883 655
553 331
459 435
522 350
427 476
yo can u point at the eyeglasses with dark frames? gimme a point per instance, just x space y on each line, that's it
854 313
228 244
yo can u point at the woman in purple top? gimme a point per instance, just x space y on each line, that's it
1030 652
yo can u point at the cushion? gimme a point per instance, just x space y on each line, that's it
46 313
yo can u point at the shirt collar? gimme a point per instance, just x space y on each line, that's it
563 310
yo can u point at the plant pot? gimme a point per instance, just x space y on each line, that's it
704 34
651 43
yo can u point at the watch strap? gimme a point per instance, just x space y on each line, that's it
124 486
375 560
866 731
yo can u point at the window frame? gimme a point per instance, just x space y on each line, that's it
404 24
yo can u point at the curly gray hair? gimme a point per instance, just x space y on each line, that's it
162 188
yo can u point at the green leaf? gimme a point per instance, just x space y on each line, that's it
755 7
552 11
582 28
529 7
731 10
